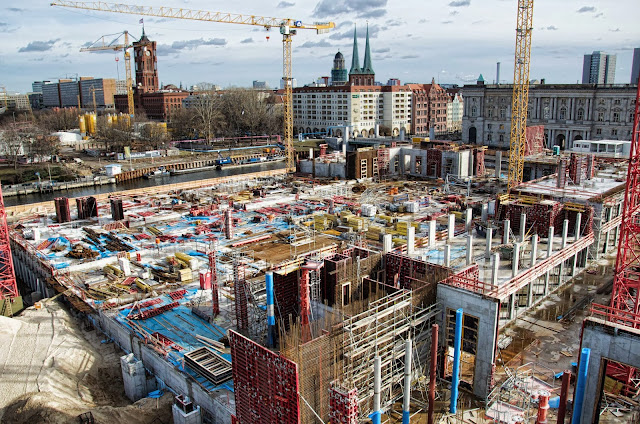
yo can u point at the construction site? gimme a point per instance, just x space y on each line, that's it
372 280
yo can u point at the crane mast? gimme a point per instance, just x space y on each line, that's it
520 99
127 64
288 28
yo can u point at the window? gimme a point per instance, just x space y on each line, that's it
489 137
489 126
580 114
563 113
501 138
614 132
600 116
474 111
616 102
599 131
501 126
616 117
503 113
490 113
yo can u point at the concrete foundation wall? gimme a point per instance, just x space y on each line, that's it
606 341
486 310
217 405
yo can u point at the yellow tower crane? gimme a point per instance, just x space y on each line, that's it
520 99
102 45
288 28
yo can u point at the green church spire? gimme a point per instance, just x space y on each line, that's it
368 67
355 61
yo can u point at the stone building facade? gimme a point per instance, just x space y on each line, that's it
569 112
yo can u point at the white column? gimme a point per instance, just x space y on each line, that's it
411 239
565 232
469 249
534 250
485 212
550 241
432 233
523 226
515 259
452 227
387 243
496 266
507 230
468 219
578 225
447 255
487 252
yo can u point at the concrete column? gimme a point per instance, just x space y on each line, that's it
451 227
377 130
447 255
530 293
134 378
606 241
577 226
513 308
498 163
546 284
183 417
487 252
534 250
411 239
507 230
523 226
616 235
550 242
515 260
432 233
565 232
494 270
387 243
469 249
485 212
574 264
468 219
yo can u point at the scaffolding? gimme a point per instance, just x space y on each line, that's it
381 330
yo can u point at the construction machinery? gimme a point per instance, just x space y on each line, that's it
288 28
520 99
101 45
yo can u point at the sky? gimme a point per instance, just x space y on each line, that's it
451 41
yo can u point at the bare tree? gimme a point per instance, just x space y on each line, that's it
58 119
114 135
208 117
153 135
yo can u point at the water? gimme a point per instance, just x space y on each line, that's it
141 182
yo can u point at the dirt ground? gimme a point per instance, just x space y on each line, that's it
53 370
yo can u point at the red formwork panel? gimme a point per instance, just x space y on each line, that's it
343 405
286 291
434 162
535 140
265 384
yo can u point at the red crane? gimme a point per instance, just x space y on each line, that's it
8 286
625 297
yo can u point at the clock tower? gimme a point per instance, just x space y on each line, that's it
146 61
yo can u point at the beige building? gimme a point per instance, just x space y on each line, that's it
455 109
569 112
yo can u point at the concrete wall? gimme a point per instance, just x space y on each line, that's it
486 310
324 170
218 405
606 341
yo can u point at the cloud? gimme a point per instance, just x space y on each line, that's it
599 15
376 13
285 4
382 50
247 40
409 56
38 46
178 46
423 21
454 13
587 9
362 8
447 22
395 22
345 35
477 22
310 44
615 30
460 3
550 28
15 9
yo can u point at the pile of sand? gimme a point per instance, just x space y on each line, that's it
52 371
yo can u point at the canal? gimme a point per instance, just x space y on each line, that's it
139 183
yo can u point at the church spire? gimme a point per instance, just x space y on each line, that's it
355 60
368 67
